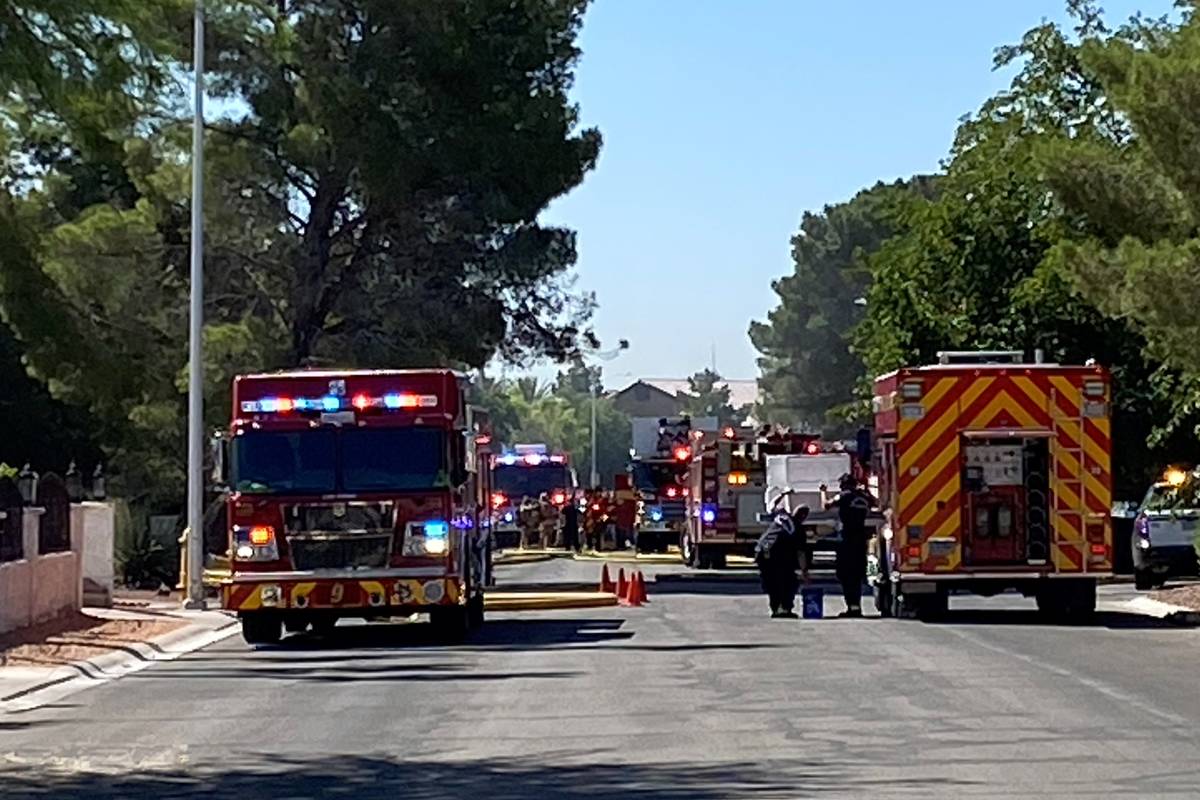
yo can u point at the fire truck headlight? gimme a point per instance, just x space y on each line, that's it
257 543
508 516
435 547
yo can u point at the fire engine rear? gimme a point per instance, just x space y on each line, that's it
355 494
730 491
996 477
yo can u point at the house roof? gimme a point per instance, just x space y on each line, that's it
741 393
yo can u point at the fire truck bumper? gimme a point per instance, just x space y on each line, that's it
382 594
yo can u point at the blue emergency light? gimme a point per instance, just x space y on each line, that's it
656 514
436 529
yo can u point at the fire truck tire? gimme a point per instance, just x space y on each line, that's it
450 623
643 542
717 560
261 628
475 614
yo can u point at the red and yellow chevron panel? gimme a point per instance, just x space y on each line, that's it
1067 405
338 594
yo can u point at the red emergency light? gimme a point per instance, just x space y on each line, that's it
558 498
683 453
498 499
812 448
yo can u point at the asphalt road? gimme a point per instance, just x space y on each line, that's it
698 695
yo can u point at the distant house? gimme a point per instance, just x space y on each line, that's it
666 397
643 399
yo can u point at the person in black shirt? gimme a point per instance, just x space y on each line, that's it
778 557
853 504
571 523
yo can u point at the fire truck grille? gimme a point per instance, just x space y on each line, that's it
673 510
333 551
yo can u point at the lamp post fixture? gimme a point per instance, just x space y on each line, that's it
27 481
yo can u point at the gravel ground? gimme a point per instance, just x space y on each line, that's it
77 636
1186 596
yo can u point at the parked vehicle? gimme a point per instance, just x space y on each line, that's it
1165 529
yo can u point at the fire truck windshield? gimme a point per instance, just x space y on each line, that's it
525 480
650 477
326 460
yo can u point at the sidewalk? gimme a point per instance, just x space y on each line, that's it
99 645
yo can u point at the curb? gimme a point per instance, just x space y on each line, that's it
130 658
547 601
525 558
630 558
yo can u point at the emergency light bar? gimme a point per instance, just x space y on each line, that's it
530 459
395 401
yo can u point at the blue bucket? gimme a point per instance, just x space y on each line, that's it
812 600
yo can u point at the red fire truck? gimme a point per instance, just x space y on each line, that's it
523 476
355 494
728 484
661 481
995 475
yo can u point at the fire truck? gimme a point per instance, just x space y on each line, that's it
525 474
995 475
735 480
355 494
661 481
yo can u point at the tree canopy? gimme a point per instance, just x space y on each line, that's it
363 205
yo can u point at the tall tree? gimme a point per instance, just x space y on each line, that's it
809 367
975 268
709 396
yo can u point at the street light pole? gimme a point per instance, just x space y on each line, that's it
595 472
195 479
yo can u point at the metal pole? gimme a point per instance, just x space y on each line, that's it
595 474
195 480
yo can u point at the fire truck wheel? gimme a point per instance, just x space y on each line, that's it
261 628
450 623
717 560
475 611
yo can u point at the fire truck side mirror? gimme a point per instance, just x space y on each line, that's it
219 447
460 470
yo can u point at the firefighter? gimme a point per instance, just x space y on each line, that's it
547 522
528 520
853 503
778 555
570 525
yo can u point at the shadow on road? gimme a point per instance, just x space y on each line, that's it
743 582
1115 620
349 776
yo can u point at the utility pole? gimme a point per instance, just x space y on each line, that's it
195 475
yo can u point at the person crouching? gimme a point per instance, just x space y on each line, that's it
778 555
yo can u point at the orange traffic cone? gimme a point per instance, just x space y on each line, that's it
641 589
633 596
622 584
606 583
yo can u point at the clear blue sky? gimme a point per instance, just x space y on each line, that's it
724 121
